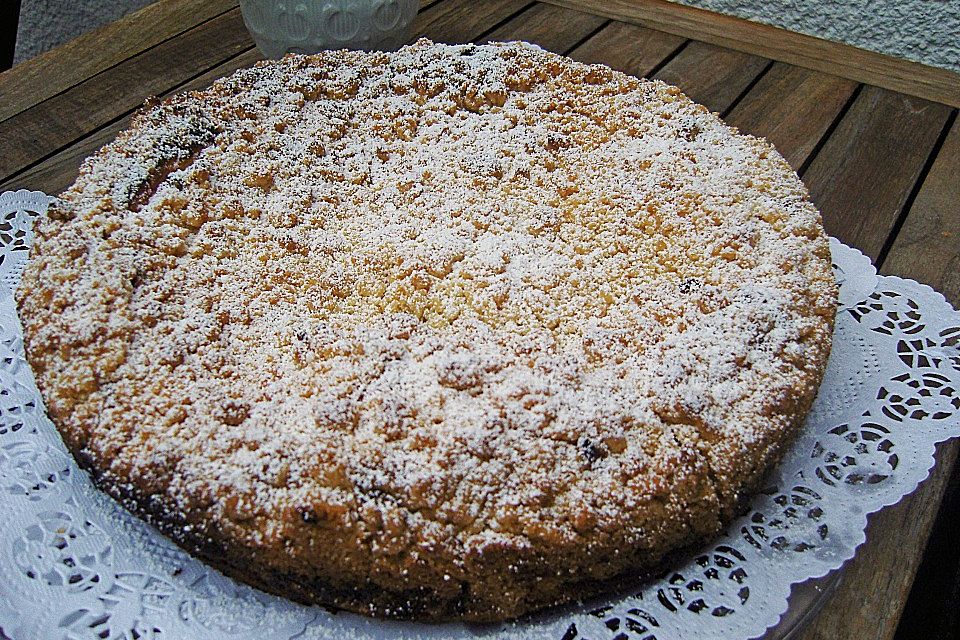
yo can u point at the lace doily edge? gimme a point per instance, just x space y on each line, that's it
26 200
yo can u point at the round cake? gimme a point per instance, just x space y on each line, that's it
457 332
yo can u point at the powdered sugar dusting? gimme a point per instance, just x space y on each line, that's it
438 303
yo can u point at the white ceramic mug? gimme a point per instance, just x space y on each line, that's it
307 26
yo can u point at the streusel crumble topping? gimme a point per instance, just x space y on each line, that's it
389 316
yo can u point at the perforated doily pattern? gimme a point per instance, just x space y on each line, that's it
73 564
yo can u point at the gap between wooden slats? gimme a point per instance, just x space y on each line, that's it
66 117
58 70
101 116
862 177
927 249
885 162
57 170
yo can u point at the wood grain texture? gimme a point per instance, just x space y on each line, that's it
55 173
868 603
554 28
628 48
70 64
931 611
927 248
763 40
878 580
72 114
711 75
454 22
864 174
58 172
793 108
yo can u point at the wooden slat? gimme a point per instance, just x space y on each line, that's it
628 48
453 22
793 108
551 27
60 170
57 172
927 248
864 174
68 116
62 119
932 609
55 71
710 75
876 582
932 83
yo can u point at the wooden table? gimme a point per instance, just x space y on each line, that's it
883 166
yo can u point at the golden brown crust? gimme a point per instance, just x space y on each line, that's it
457 332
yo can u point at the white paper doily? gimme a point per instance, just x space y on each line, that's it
73 564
